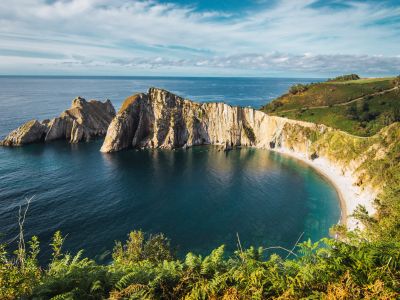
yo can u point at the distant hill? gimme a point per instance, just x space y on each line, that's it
358 106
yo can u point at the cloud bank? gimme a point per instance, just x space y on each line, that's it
121 37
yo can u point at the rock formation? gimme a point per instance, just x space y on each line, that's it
83 121
161 119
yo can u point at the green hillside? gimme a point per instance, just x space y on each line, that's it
360 107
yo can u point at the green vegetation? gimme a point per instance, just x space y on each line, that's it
298 88
364 117
346 77
361 107
361 80
144 268
128 102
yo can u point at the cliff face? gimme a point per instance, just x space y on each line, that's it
161 119
83 121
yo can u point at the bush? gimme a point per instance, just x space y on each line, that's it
298 88
392 116
368 269
274 105
345 77
368 116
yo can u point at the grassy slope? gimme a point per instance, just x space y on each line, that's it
302 106
337 116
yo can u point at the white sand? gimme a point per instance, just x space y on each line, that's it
350 195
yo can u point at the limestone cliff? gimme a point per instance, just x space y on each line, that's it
82 122
161 119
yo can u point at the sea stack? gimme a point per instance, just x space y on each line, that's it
84 121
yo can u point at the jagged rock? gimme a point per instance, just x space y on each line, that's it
161 119
29 132
83 121
123 127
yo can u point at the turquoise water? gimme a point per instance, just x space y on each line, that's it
199 197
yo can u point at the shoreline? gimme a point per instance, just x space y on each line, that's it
350 195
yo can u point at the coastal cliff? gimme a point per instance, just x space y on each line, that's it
83 121
160 119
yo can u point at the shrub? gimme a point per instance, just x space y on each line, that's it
274 105
298 88
345 77
368 116
390 117
155 248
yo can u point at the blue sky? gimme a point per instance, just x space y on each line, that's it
286 38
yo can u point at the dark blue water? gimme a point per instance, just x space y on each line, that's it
200 197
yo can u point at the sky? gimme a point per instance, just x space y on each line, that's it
272 38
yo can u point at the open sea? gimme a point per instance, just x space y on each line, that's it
200 198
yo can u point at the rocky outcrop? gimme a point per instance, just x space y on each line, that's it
84 121
161 119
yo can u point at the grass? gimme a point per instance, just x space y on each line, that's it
326 103
328 94
337 116
362 80
128 101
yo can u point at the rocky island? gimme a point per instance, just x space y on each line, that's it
83 121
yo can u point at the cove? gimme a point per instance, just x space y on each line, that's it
198 197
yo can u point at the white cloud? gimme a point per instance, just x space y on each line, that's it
116 35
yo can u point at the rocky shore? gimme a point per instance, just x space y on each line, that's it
84 121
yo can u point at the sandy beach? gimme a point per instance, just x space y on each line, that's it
350 195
